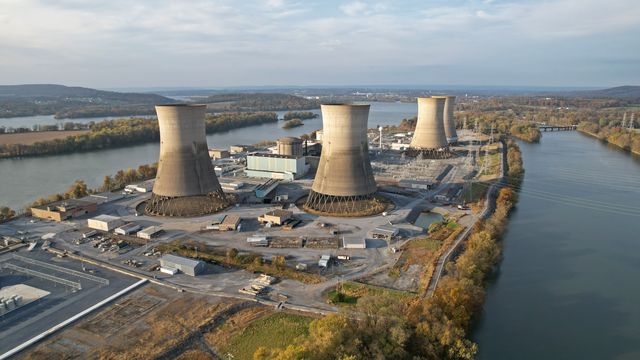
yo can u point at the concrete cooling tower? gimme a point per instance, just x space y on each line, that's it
186 183
449 123
430 138
344 183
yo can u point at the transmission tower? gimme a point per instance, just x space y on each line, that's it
624 120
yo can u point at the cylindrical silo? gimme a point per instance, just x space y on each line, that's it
344 183
186 183
449 122
429 135
290 146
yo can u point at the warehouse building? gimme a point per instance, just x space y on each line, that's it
127 229
150 232
63 210
216 154
105 222
172 263
276 217
230 223
275 166
386 232
354 243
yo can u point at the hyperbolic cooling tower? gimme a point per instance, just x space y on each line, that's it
290 146
344 183
429 137
449 123
186 183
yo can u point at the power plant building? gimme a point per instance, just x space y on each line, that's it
344 183
430 138
186 183
449 122
290 146
274 166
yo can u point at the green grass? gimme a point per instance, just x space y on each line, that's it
349 292
426 243
274 331
492 166
478 191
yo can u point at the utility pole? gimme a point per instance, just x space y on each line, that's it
491 137
631 125
464 123
380 129
475 127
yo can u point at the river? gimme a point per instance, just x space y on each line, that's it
26 179
567 285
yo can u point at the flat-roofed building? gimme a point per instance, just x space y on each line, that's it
275 166
216 154
354 243
188 266
105 222
127 229
230 223
64 209
386 232
276 217
150 232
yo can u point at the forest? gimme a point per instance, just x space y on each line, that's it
258 102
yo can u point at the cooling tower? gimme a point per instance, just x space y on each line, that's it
429 137
290 146
449 123
186 183
344 183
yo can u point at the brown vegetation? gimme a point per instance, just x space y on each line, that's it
32 137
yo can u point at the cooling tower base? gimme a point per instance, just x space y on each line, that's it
344 206
444 153
187 206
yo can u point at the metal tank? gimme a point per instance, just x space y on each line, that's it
449 122
344 183
429 138
290 146
186 183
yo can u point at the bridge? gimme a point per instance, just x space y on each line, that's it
544 127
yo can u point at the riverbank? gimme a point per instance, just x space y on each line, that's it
605 140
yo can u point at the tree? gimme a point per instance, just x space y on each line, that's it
232 253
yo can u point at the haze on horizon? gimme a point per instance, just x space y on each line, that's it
221 43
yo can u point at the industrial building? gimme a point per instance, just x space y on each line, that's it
289 146
105 222
127 229
150 232
230 223
429 138
344 183
216 154
275 166
185 265
64 209
276 217
386 232
449 123
264 189
186 183
354 243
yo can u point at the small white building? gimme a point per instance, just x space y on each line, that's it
354 243
150 232
105 222
324 261
127 229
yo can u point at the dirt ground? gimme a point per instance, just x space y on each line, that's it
29 138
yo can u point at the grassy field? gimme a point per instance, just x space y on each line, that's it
29 138
273 331
349 292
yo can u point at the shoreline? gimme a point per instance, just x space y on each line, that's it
637 153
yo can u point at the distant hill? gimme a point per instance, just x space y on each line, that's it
256 102
70 102
614 92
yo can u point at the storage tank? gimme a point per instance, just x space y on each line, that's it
290 146
344 183
429 137
186 183
449 122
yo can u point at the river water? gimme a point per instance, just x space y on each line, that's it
567 287
24 180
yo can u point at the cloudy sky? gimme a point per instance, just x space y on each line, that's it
218 43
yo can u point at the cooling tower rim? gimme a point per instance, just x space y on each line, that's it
346 104
290 140
182 105
444 96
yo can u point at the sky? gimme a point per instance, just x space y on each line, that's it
235 43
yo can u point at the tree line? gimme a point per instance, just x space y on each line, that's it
125 132
302 115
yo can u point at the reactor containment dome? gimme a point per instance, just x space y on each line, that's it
429 138
344 183
186 183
